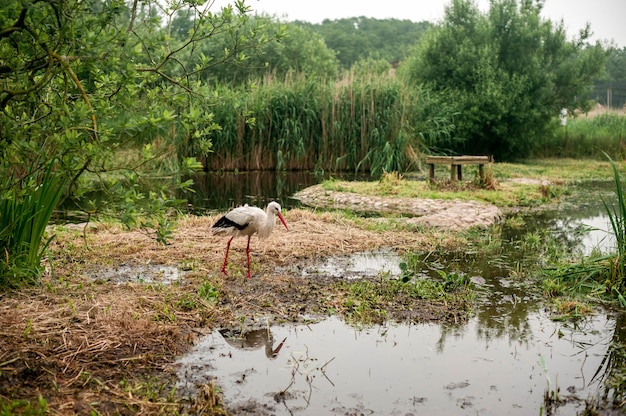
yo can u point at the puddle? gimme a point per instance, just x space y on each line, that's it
357 265
334 369
150 273
595 234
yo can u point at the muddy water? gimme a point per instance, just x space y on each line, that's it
502 362
330 368
358 265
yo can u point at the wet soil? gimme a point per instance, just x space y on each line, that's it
443 214
115 308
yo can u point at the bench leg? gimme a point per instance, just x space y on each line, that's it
453 173
481 173
460 172
431 169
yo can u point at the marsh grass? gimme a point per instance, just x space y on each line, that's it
617 216
529 184
557 170
368 125
588 137
507 194
366 301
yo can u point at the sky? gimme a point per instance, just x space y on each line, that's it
607 17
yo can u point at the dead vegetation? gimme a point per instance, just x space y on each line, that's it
92 346
76 345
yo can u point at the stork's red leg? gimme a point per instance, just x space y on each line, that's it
226 256
248 255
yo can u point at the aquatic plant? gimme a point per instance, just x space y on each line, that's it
597 275
371 301
617 216
26 205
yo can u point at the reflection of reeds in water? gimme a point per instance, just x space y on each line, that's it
612 369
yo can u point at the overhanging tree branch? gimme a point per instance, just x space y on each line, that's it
65 62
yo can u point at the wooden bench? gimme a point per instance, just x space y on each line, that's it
455 163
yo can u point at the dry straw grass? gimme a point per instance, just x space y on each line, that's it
310 236
75 345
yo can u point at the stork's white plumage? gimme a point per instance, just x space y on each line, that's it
245 221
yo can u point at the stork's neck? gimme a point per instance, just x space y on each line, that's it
266 228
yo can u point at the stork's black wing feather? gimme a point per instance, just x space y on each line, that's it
225 222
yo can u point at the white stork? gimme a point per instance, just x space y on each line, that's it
245 221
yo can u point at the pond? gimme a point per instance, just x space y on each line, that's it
505 360
225 190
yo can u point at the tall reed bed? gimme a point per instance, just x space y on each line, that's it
299 124
588 138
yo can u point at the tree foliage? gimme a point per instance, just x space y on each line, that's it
610 86
508 72
300 50
616 64
95 92
359 38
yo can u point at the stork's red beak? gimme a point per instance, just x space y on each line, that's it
280 216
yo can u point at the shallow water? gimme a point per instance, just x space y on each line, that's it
332 368
597 238
502 362
357 265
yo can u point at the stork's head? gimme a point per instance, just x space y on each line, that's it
273 208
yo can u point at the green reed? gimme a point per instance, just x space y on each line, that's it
617 216
599 274
300 124
587 137
26 205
